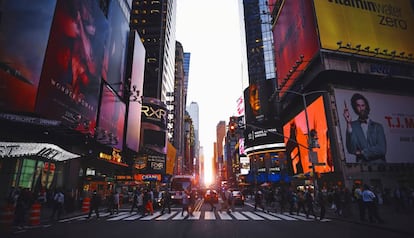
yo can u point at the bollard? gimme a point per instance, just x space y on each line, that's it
7 217
86 205
34 219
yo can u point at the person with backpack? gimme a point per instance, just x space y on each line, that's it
58 202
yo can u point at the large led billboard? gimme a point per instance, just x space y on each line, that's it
116 47
154 126
296 139
70 81
376 127
137 81
111 121
24 27
295 40
381 28
258 109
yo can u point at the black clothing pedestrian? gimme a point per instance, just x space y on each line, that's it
95 204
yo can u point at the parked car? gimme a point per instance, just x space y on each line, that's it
238 197
211 195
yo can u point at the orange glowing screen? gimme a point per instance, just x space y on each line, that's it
296 140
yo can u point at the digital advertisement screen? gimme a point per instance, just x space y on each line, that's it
383 24
258 110
111 119
71 77
116 47
20 62
135 100
296 139
380 128
154 125
294 35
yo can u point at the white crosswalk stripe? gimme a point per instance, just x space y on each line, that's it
200 215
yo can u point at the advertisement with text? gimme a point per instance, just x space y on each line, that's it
375 127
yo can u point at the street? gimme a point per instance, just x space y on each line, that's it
242 222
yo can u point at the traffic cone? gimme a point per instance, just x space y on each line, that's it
34 219
86 205
7 217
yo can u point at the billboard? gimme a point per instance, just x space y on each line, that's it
116 47
111 121
21 60
136 72
70 81
294 36
383 26
389 129
296 139
154 125
258 109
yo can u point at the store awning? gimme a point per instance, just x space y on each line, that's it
45 150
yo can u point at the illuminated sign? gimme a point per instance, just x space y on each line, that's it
148 177
381 28
45 150
114 157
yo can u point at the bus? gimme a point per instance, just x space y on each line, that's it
178 184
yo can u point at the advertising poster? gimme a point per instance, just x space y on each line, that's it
294 35
296 139
258 110
154 125
385 25
376 127
71 76
21 60
116 47
135 100
111 122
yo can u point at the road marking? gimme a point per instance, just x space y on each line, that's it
150 217
268 216
196 216
120 216
165 216
239 216
253 216
224 216
133 218
208 215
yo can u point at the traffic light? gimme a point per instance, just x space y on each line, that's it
232 128
314 139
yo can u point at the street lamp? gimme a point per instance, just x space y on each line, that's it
311 144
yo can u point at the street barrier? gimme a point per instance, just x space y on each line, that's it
34 219
7 217
86 205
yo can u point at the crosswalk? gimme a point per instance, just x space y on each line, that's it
176 215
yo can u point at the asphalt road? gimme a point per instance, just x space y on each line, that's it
242 222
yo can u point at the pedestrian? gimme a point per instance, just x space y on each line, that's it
321 200
116 202
370 202
360 202
135 201
58 202
166 202
22 205
95 204
148 198
258 200
185 202
111 203
309 204
301 202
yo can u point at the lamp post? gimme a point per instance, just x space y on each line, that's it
310 144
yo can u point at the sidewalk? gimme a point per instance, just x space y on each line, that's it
398 222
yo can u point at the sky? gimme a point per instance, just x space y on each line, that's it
210 31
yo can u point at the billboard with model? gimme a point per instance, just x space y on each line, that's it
376 127
71 77
24 27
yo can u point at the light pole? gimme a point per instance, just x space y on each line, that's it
310 144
